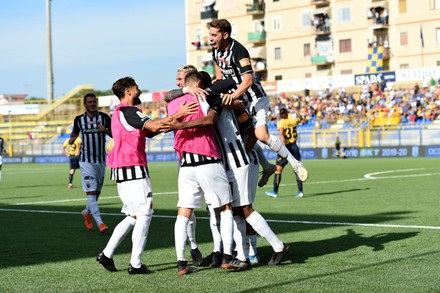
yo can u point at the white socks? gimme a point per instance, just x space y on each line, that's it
92 206
180 234
192 231
239 238
226 230
214 224
262 228
119 233
139 239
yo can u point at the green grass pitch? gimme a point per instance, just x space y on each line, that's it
364 225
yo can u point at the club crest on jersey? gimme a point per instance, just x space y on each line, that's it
245 62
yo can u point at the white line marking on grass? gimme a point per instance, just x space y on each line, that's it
373 175
271 221
72 199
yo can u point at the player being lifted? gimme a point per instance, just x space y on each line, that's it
232 60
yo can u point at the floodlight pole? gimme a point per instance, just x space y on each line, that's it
49 69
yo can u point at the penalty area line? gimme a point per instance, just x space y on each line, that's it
268 220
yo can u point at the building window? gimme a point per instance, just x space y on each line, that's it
308 75
276 23
307 19
278 77
307 50
402 6
346 71
344 14
277 53
403 38
404 66
345 46
438 63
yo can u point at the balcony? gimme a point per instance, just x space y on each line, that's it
256 8
207 16
257 37
322 60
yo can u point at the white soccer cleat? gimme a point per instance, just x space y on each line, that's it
301 171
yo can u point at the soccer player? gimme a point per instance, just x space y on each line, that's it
72 151
92 127
338 147
242 172
201 175
196 255
129 168
2 151
288 135
232 60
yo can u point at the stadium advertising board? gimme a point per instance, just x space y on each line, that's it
306 154
360 79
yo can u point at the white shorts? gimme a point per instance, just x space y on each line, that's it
1 159
136 197
207 181
243 182
260 108
92 176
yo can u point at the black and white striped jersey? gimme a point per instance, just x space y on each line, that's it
231 145
191 160
93 140
234 62
129 173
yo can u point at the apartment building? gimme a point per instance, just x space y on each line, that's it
298 39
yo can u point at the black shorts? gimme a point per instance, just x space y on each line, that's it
294 150
74 162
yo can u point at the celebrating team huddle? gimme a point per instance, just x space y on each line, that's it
216 128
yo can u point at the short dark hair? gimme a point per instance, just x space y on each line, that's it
283 111
193 76
222 25
206 79
88 95
121 85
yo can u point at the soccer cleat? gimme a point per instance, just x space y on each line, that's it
196 256
301 171
265 175
106 262
70 186
103 228
184 269
216 259
300 194
277 257
226 262
238 265
272 194
142 270
87 221
254 259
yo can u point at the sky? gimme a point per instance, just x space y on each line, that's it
93 42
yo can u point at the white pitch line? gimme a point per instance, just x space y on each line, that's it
270 221
72 199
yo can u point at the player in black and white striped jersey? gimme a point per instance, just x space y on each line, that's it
93 127
232 61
